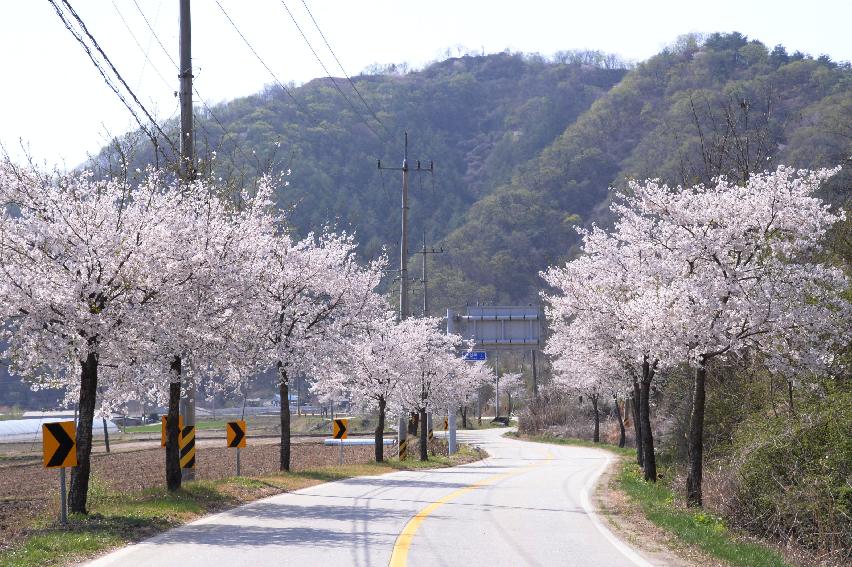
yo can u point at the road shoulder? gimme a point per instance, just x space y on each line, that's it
655 544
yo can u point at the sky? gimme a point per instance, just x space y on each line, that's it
54 103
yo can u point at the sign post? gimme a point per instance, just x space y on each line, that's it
340 430
63 507
402 436
236 432
451 431
59 450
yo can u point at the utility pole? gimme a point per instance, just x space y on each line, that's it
187 170
426 251
404 299
496 385
535 377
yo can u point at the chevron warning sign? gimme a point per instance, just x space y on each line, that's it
163 430
340 429
187 447
59 444
236 434
446 424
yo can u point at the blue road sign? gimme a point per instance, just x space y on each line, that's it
475 355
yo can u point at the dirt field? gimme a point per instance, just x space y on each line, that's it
27 491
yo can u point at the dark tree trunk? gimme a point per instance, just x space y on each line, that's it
413 422
424 447
106 434
464 417
284 391
648 459
380 431
637 424
79 490
621 432
597 437
696 438
173 472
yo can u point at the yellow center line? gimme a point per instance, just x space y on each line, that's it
399 557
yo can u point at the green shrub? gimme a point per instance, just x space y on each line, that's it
792 475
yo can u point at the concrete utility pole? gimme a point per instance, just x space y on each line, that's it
187 169
535 376
496 386
404 299
426 251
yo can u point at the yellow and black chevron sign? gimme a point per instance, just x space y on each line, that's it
430 434
403 449
163 430
340 428
59 446
446 424
236 434
187 447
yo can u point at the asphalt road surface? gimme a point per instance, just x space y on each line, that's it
527 504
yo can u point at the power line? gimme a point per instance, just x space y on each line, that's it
139 45
307 113
324 68
258 57
194 88
69 26
345 74
156 37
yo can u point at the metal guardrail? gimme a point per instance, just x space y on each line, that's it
347 442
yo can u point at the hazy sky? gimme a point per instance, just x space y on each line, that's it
54 100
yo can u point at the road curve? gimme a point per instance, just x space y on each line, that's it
527 504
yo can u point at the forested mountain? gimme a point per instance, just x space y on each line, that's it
526 148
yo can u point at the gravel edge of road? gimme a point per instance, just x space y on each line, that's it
654 543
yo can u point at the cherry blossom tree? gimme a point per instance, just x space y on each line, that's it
602 303
470 379
313 294
514 387
435 368
78 258
747 278
371 368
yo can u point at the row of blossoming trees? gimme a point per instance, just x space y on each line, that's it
118 291
692 276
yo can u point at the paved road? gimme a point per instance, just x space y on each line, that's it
528 504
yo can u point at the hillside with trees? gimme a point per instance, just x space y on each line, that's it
525 147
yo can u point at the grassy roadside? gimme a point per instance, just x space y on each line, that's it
693 527
117 518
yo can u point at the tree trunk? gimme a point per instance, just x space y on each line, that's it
173 472
380 431
464 417
621 432
79 490
637 426
106 434
648 459
696 438
597 437
284 391
424 447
